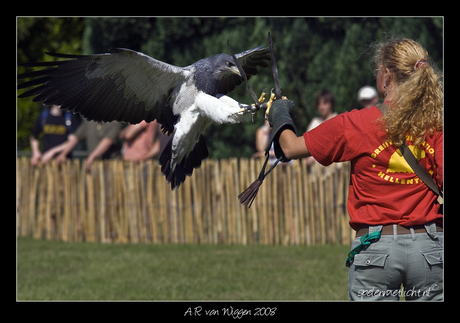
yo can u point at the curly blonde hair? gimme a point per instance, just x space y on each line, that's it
417 106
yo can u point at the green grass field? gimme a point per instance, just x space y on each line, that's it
50 270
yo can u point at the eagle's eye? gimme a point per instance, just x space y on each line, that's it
230 64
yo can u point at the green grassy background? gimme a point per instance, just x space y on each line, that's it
51 270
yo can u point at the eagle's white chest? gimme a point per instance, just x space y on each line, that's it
193 121
184 96
187 131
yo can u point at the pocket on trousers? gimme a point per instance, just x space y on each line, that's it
370 271
433 257
433 266
371 259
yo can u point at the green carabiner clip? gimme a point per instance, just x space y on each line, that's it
365 241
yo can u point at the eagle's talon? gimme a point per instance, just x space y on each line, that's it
270 102
262 96
253 108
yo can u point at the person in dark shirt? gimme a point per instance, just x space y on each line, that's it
56 125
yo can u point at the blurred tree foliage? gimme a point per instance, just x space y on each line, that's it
312 54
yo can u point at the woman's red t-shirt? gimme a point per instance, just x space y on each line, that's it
383 187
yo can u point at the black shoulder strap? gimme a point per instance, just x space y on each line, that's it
413 162
418 169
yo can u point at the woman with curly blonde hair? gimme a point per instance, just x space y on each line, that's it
413 87
397 218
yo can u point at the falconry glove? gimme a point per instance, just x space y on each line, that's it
280 117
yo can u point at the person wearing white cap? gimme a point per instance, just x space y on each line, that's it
367 97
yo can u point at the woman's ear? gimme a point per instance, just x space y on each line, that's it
388 77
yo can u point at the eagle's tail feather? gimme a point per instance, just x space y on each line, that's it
175 173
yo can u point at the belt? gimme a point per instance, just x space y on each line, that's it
388 230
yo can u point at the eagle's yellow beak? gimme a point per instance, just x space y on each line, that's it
235 70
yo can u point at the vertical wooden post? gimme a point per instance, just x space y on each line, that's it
73 191
131 203
298 214
228 215
140 200
243 183
66 177
59 202
22 185
118 200
322 200
198 202
34 206
300 169
329 204
83 191
254 208
162 190
91 215
262 202
219 199
306 178
152 210
49 200
188 211
234 200
99 166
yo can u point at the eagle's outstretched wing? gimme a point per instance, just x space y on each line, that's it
121 85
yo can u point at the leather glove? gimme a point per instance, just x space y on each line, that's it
279 117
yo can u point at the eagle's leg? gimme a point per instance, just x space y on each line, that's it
253 108
270 102
272 99
247 108
261 100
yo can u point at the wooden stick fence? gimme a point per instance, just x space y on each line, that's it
123 202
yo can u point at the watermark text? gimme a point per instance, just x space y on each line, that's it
412 292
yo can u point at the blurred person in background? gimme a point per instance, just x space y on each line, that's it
367 97
324 103
56 125
141 141
101 142
262 137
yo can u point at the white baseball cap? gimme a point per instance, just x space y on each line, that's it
366 93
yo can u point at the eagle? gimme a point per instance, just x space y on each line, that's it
129 86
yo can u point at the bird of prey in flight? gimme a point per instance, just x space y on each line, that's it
125 85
